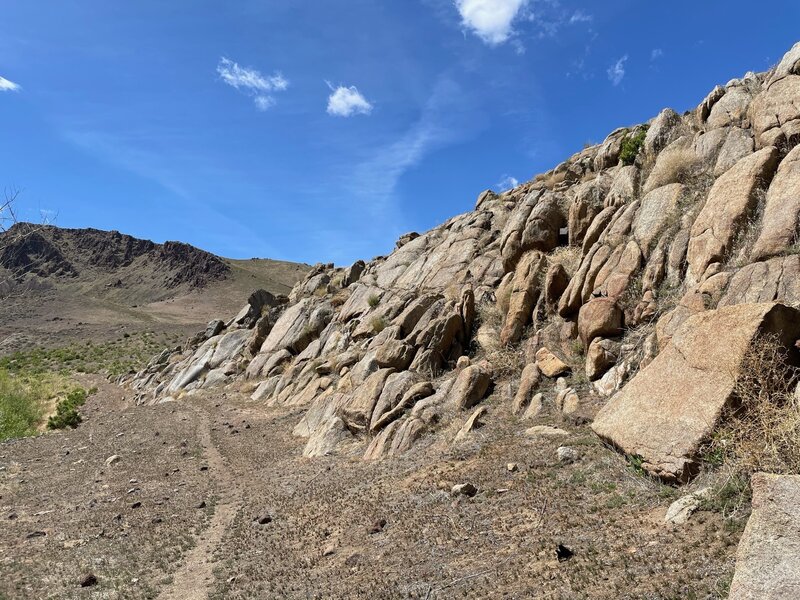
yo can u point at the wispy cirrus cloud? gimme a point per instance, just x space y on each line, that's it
616 72
252 82
9 86
347 101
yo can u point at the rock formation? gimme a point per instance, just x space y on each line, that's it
657 255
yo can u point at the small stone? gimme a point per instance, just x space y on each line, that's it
264 520
464 489
462 363
201 504
549 364
512 467
113 459
567 454
679 511
36 534
329 549
545 431
88 580
136 505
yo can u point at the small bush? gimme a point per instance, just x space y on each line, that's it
373 300
673 165
378 324
569 256
67 410
631 145
761 431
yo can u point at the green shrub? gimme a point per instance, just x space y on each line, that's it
373 300
67 414
20 406
631 144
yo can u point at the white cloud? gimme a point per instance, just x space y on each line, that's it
263 102
490 20
656 53
616 72
579 17
507 183
252 82
9 86
347 101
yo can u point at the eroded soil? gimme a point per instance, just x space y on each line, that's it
211 498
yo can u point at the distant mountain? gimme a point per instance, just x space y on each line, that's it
106 278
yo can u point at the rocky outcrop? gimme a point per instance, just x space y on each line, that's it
664 413
642 262
768 558
731 199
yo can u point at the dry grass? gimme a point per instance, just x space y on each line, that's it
761 432
569 257
677 165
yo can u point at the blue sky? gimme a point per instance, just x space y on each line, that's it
322 130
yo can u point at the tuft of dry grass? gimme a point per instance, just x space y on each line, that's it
569 256
676 165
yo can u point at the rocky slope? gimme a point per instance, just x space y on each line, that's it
108 258
61 286
623 288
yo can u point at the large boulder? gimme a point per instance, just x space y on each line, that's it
599 317
668 409
730 201
782 210
768 558
525 290
471 386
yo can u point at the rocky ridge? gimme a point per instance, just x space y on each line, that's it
621 288
47 252
603 260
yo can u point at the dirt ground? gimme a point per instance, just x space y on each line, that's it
211 498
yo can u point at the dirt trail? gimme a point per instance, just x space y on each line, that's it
195 576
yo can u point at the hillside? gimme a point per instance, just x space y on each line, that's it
62 285
583 388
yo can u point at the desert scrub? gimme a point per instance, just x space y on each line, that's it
21 405
67 414
631 145
373 300
378 324
674 165
760 432
109 358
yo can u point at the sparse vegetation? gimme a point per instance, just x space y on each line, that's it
674 165
373 300
111 358
631 145
21 405
760 432
378 324
67 414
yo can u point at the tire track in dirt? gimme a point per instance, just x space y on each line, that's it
193 579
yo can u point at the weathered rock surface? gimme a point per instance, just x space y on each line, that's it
779 229
768 558
731 199
386 351
666 411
